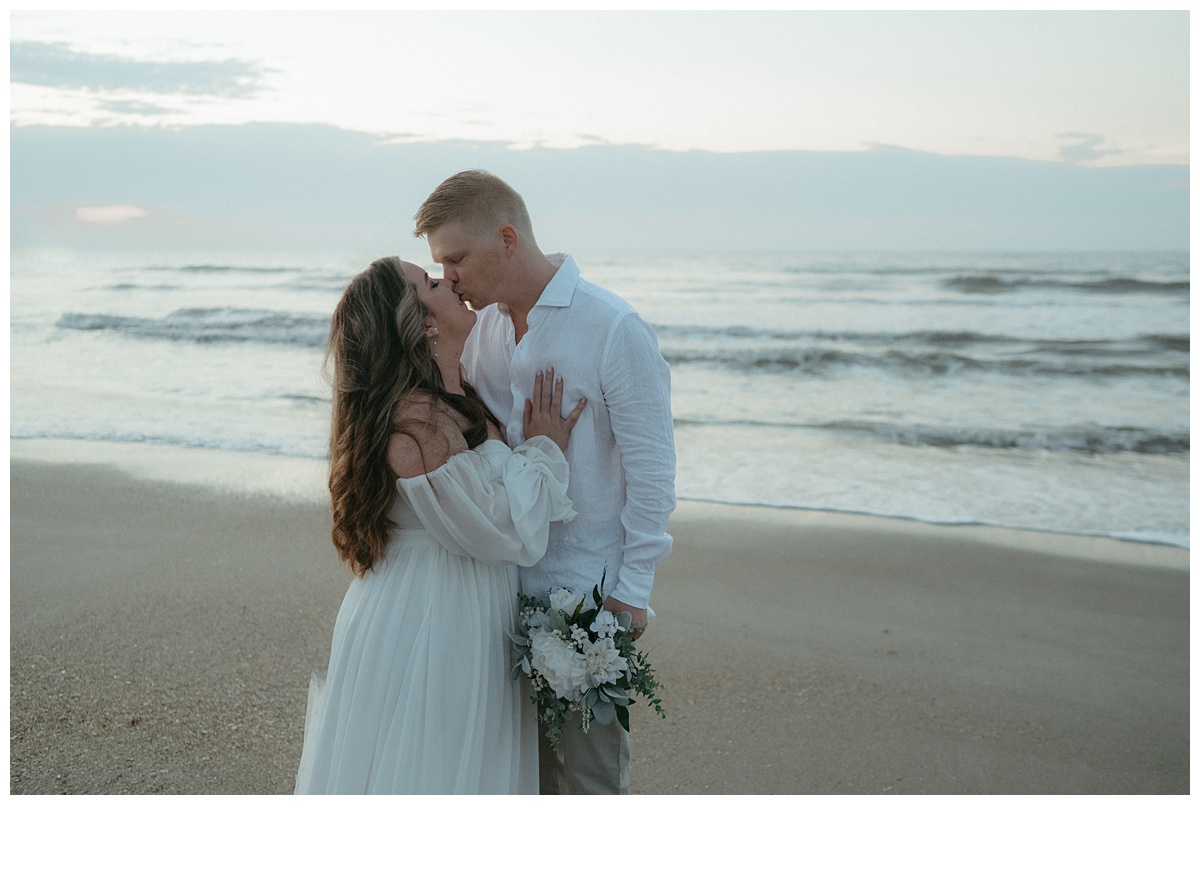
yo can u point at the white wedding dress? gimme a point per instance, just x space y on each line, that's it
418 697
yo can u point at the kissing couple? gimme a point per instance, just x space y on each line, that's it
457 481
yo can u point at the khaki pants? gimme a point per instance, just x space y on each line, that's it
596 763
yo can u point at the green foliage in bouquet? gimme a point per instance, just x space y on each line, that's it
582 658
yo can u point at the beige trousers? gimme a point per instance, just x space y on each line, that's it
596 763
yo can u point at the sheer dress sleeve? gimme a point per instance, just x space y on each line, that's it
493 504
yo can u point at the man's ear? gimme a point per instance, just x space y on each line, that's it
511 239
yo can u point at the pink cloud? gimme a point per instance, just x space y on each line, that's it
109 214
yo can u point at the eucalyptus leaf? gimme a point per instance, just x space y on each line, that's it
623 717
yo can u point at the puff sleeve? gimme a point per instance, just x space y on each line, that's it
493 504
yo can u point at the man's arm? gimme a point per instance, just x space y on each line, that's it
636 383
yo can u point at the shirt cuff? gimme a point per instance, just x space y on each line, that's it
633 588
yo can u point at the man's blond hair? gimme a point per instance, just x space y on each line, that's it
477 199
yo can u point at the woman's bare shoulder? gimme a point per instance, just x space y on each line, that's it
424 436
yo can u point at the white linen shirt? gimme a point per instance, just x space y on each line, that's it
622 451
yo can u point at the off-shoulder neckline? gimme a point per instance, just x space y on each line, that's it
446 463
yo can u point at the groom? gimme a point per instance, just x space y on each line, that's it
536 312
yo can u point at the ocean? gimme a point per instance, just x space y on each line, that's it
1035 390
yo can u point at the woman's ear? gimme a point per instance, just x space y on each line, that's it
430 327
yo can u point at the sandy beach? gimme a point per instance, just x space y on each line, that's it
162 637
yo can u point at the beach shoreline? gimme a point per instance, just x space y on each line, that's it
302 480
163 627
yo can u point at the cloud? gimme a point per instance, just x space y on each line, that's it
109 214
139 108
57 65
311 186
1084 148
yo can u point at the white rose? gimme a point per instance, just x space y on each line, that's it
566 600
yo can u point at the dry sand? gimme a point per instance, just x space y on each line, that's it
162 637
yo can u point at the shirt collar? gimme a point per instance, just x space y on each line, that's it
561 288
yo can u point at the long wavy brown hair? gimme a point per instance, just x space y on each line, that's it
380 357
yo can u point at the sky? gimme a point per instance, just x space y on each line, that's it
607 92
1107 88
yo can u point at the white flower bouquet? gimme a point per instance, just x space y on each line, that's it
580 658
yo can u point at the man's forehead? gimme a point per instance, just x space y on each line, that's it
451 235
456 239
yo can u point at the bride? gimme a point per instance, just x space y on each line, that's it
433 513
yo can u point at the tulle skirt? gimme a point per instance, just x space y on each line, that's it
418 697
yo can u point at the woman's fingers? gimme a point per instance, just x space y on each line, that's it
543 411
548 386
547 392
570 420
556 394
548 396
537 392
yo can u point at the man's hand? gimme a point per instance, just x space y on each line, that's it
638 616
